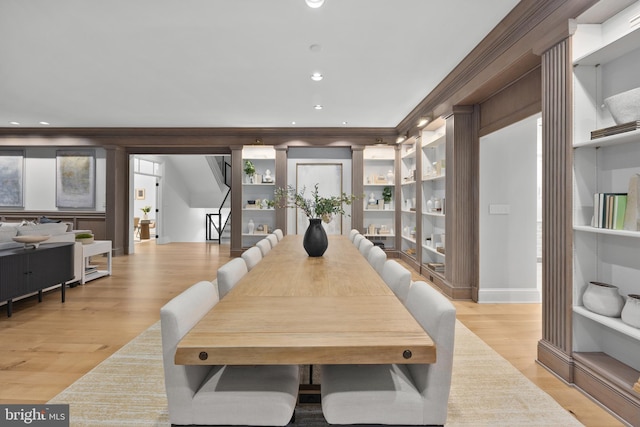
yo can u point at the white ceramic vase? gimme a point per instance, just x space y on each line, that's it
602 298
250 226
631 311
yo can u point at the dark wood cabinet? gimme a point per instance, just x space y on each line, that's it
26 271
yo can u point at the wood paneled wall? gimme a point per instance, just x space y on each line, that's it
554 348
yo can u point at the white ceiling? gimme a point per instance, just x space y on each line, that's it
229 63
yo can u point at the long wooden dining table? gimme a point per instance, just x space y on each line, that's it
295 309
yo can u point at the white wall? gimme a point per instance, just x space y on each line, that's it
189 192
40 179
508 184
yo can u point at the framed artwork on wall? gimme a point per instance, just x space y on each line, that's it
328 176
76 179
12 178
140 194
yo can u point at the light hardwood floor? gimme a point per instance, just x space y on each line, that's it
47 346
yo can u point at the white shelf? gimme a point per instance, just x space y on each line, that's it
611 51
379 210
432 250
621 138
438 140
433 214
409 239
409 154
408 211
433 178
258 210
408 182
614 323
378 185
608 231
259 184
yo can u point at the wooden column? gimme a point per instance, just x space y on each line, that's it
236 200
554 349
461 203
357 188
117 199
281 182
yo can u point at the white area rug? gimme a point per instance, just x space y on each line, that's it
127 389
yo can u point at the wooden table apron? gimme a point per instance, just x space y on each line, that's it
294 309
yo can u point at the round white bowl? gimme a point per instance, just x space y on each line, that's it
31 240
625 106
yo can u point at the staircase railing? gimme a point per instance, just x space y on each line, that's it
214 221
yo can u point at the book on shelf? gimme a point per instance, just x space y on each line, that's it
436 266
609 210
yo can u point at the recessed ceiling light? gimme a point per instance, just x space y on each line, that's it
44 123
14 123
345 122
293 123
316 77
318 107
314 3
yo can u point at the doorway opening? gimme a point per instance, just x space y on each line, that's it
510 214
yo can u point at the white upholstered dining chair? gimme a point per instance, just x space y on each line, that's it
272 239
353 234
397 278
279 234
252 257
411 394
365 247
377 258
229 274
220 395
357 240
264 245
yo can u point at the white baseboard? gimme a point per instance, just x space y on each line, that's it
507 295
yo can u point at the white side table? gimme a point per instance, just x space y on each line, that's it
98 247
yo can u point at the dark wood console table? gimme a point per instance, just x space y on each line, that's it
24 271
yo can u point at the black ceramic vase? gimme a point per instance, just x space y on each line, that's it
315 240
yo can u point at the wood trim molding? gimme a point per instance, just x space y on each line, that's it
462 199
557 178
558 362
236 201
357 187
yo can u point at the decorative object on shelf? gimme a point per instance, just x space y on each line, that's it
372 199
250 226
624 106
267 178
31 241
631 311
614 130
603 298
84 238
437 205
145 212
317 208
250 171
390 177
386 196
430 204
